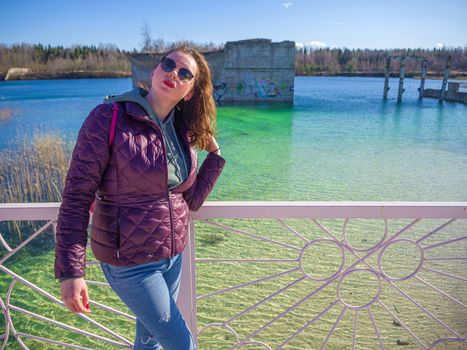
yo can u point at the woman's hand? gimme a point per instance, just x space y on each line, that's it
75 295
213 146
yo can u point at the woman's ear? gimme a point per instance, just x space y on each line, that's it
188 96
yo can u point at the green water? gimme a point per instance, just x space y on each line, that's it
338 140
331 147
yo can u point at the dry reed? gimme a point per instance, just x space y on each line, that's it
6 113
33 172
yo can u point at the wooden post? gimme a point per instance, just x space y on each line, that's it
386 78
401 80
422 81
442 92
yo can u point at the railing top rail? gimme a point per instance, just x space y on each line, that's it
29 211
276 209
318 210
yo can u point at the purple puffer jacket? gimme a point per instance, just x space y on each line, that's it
136 219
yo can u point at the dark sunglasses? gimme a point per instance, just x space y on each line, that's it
169 65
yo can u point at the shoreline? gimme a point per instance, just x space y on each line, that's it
455 75
82 74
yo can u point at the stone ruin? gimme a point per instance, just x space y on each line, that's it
244 71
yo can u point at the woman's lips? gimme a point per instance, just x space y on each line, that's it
169 83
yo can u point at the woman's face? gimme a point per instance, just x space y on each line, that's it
168 84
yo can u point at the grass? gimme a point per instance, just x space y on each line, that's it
35 264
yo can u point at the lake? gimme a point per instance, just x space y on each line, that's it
338 140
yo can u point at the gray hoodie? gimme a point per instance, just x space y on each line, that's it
177 164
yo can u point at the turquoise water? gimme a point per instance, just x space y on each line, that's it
338 140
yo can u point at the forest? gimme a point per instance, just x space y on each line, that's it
107 60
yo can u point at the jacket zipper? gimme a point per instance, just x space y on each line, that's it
172 238
118 230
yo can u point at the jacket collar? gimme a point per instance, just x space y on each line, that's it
135 110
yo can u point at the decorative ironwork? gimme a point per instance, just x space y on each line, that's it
351 264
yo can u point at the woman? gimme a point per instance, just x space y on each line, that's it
145 183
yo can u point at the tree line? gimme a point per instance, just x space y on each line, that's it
326 61
323 61
52 59
103 58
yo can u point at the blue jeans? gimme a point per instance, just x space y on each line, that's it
150 291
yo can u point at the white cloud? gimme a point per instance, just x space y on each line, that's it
317 45
312 45
439 46
287 4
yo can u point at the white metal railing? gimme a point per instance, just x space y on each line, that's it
434 234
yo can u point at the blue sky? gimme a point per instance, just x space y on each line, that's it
335 23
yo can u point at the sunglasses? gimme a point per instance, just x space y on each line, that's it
169 65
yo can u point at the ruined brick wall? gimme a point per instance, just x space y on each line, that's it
257 70
246 70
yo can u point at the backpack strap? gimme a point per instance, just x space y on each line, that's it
113 123
111 140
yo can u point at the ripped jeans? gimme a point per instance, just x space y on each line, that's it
150 291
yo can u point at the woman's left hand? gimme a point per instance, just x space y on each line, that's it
213 146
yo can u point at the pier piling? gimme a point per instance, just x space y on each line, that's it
386 78
442 92
400 91
422 81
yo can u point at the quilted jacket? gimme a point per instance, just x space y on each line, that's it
136 218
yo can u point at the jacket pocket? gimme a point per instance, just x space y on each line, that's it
105 228
104 238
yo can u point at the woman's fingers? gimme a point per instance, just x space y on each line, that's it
85 298
79 306
70 306
75 295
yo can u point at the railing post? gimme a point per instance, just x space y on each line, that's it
187 297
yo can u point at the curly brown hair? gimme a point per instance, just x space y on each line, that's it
199 113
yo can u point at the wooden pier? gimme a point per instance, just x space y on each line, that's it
452 93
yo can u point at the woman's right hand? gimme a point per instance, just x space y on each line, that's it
75 295
213 146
